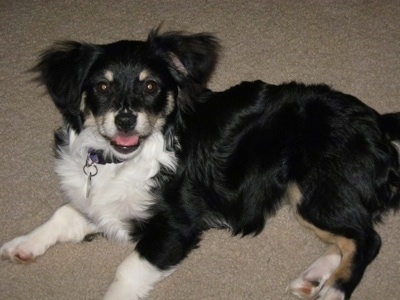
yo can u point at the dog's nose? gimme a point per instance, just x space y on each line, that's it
125 122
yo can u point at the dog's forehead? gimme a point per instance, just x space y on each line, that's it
142 74
127 59
130 53
114 73
124 49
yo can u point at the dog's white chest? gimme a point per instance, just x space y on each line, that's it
114 193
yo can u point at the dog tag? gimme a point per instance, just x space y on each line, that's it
88 184
90 170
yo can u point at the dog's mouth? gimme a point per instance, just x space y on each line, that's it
125 144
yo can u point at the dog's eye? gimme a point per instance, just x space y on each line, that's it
150 86
103 87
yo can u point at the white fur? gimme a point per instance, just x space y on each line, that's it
330 293
119 192
57 229
320 271
134 279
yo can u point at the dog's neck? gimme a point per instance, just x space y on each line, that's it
98 157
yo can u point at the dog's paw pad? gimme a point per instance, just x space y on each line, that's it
15 251
305 288
17 255
311 281
23 257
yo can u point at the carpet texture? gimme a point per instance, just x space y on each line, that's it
352 45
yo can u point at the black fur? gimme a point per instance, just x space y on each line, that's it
240 150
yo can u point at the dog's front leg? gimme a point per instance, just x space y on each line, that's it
134 279
66 225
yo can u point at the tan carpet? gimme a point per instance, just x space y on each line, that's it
352 45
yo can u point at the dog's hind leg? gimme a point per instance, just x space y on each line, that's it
66 225
357 254
336 274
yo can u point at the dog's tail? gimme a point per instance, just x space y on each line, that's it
390 125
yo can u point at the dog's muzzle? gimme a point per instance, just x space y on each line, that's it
127 140
125 122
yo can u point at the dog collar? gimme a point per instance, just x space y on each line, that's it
95 157
98 157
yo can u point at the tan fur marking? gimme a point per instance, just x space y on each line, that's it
293 194
83 101
109 75
347 249
143 75
170 104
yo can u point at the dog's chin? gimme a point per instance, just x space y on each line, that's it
125 149
125 145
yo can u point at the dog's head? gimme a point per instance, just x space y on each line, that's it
126 89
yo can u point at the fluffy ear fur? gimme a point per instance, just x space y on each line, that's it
62 69
191 56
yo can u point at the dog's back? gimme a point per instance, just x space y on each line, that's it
256 133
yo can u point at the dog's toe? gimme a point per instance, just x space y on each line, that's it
17 251
22 257
304 288
310 282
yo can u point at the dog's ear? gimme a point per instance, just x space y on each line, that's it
190 56
62 69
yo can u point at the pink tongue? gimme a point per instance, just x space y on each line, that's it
126 141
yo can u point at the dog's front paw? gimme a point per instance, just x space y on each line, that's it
20 249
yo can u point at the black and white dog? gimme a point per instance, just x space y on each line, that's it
147 154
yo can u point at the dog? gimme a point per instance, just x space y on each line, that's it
148 154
